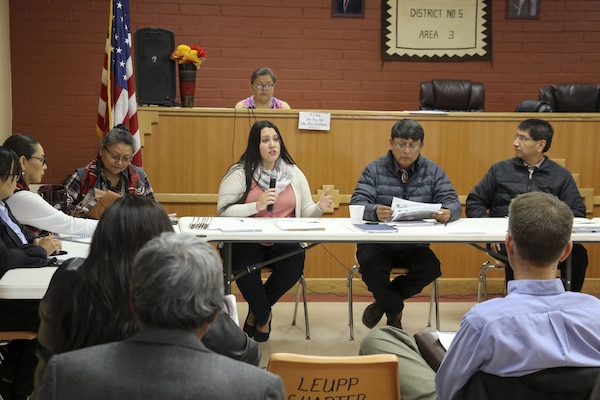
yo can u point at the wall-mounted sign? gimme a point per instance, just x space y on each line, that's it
436 30
314 121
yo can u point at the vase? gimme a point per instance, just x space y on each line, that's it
187 84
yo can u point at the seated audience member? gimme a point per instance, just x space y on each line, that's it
87 302
529 171
245 192
176 292
403 173
29 208
262 85
111 170
19 248
537 326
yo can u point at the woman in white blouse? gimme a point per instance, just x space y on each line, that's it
29 208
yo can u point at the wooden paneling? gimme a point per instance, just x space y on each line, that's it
187 151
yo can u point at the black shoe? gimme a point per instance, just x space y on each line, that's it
263 336
372 315
394 320
249 329
5 389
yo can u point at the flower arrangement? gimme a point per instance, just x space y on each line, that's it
185 54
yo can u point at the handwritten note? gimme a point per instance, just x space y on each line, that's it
314 121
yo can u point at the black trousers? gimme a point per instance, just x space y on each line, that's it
18 367
285 274
376 262
579 263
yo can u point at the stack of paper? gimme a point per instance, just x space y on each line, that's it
76 238
235 225
410 210
585 225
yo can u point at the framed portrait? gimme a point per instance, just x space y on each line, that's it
529 9
348 8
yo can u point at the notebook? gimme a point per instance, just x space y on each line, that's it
376 228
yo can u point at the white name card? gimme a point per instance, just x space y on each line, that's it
314 121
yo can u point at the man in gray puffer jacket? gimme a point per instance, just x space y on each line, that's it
402 173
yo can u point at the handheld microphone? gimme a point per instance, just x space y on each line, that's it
272 184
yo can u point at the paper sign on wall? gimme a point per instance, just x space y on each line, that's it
314 121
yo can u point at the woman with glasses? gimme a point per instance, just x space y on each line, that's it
31 209
111 170
19 247
262 85
266 182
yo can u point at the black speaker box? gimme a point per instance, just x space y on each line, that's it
153 68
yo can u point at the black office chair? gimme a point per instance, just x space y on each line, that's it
452 95
572 97
533 106
568 383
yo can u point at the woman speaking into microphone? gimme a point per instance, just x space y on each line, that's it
266 182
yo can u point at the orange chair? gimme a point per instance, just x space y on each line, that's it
340 377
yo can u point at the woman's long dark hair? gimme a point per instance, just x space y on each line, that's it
9 163
251 158
23 145
99 309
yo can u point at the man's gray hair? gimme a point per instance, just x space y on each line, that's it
540 225
177 282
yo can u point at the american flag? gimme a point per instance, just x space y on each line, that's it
118 104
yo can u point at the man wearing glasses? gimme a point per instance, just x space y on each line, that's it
529 171
405 174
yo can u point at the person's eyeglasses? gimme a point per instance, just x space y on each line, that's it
522 138
41 159
118 157
404 146
260 86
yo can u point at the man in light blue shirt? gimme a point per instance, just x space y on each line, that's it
538 325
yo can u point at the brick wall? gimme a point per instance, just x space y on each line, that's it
321 62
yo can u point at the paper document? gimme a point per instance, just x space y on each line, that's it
585 225
297 224
417 222
76 238
410 210
235 225
445 338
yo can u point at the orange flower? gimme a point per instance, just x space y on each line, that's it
185 54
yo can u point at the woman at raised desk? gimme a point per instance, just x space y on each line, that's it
87 301
245 192
111 170
262 85
19 248
29 208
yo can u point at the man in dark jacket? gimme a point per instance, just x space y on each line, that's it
529 171
403 173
